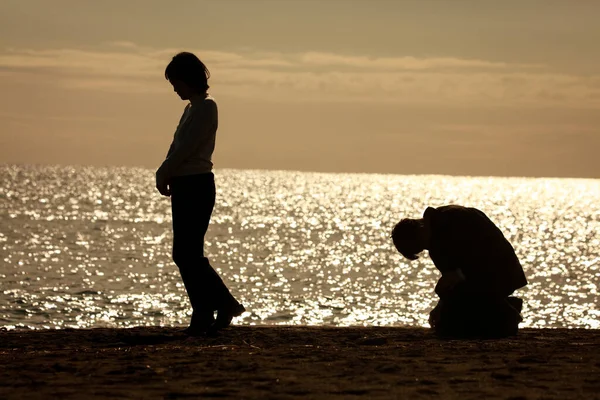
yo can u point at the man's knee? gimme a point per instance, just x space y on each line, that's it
475 318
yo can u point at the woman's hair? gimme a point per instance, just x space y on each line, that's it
405 236
188 68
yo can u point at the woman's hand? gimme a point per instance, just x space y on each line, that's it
162 183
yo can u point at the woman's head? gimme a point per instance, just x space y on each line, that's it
408 237
188 75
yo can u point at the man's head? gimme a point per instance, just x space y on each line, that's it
410 237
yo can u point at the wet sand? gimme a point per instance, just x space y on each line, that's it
297 362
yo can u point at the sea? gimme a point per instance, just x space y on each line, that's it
84 247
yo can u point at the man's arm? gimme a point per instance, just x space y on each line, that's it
446 248
449 282
452 275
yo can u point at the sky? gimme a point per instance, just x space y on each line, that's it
462 87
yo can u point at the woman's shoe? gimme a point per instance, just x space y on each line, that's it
199 325
224 317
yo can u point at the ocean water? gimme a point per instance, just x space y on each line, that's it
90 247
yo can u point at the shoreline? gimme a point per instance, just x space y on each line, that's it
282 362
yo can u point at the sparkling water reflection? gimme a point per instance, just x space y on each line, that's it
83 247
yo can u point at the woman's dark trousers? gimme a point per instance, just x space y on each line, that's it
192 203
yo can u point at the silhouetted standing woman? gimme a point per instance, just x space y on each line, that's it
186 176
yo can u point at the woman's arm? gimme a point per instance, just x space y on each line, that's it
198 126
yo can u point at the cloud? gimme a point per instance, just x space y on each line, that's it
314 76
402 63
93 63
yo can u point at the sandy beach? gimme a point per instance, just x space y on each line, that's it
297 362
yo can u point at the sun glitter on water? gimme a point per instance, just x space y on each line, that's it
86 247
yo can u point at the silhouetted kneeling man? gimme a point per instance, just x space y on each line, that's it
479 267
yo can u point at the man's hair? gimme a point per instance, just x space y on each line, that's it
188 68
405 236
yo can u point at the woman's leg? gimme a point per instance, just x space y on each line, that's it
188 245
193 199
222 300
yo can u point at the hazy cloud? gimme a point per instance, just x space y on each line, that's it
401 63
124 67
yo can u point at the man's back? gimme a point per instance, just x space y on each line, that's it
465 238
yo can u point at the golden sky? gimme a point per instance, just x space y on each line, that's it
462 87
